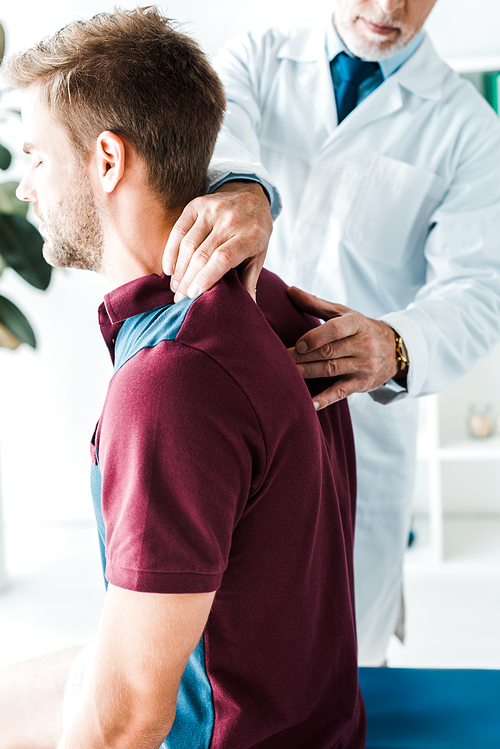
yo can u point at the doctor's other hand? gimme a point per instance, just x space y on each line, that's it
358 351
228 228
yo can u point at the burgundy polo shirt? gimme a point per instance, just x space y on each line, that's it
213 472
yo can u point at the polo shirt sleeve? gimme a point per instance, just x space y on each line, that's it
181 452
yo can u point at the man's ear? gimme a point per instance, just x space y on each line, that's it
110 159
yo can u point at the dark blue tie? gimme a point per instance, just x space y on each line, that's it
352 72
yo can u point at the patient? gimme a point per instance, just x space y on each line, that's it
224 502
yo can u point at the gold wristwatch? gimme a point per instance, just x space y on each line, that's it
401 356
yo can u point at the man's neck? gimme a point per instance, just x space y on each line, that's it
134 246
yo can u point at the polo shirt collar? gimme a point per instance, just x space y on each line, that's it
137 296
133 298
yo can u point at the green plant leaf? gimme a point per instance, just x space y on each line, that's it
13 319
2 42
5 157
9 203
21 248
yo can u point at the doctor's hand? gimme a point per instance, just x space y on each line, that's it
358 351
217 232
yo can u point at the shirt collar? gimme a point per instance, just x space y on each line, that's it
334 45
133 298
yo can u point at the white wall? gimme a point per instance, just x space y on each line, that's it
458 27
51 398
461 28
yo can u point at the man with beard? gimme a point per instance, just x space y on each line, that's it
388 167
224 502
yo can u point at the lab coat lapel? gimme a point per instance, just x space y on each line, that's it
384 101
423 75
325 95
313 83
314 88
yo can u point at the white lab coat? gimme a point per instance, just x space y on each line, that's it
395 213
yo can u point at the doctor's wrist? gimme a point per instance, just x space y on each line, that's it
238 184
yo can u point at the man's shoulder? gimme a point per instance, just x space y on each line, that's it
228 310
427 75
248 340
223 325
222 354
148 329
475 122
288 322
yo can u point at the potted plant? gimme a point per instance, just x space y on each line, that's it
20 249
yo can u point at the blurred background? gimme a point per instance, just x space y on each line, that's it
50 399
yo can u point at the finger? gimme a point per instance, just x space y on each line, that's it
313 305
202 272
189 284
249 273
329 368
197 241
338 391
332 350
336 329
205 269
184 223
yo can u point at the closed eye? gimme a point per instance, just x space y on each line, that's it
28 148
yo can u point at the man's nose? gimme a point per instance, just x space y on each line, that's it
389 6
25 190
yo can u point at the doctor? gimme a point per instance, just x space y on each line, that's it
389 177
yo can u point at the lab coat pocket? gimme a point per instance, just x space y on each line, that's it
391 213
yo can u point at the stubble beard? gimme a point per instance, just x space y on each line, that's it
74 232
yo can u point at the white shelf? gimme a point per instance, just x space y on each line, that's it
435 453
470 540
471 449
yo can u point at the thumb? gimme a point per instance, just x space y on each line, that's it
314 306
249 273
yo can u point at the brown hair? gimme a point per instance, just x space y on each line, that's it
131 72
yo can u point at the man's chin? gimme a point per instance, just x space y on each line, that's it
64 257
52 257
49 255
368 47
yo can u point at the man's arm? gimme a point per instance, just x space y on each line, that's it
144 642
454 318
231 226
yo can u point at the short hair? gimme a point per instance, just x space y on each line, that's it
132 73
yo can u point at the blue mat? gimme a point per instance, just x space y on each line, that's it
412 708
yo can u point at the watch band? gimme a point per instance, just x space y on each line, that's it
402 357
